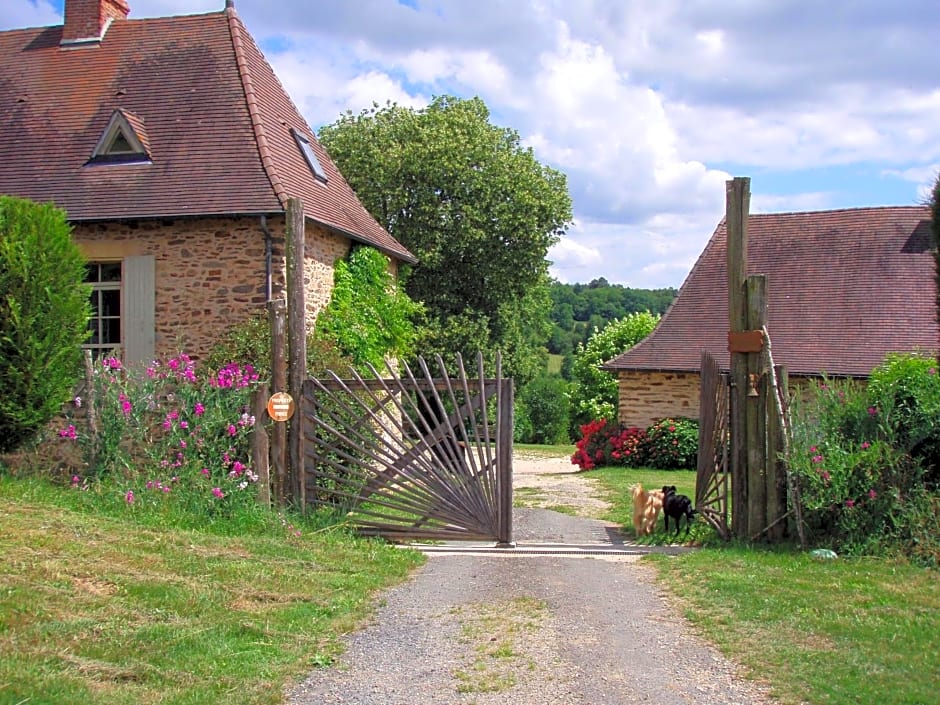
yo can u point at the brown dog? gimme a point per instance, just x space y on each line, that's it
646 508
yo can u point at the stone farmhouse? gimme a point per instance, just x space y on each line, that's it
173 148
844 289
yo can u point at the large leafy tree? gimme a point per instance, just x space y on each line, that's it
476 208
44 312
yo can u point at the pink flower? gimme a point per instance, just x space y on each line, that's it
865 445
78 402
125 404
232 430
69 432
205 471
817 458
872 494
112 363
129 497
872 411
850 503
825 476
199 409
217 491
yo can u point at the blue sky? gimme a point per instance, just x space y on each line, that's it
647 107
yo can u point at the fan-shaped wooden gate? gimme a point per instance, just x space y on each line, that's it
713 479
412 455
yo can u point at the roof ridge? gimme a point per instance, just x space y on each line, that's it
847 209
257 125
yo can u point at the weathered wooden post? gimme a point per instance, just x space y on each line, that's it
297 336
756 406
737 204
259 445
277 312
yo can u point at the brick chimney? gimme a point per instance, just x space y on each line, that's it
86 21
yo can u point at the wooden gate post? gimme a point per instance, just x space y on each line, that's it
297 336
278 319
737 204
756 426
259 445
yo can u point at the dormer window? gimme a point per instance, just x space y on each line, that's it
309 155
124 141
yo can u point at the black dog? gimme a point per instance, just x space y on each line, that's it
677 506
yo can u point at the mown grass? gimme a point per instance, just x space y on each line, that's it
839 632
103 609
836 632
617 482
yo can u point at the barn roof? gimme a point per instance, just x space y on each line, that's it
844 288
219 127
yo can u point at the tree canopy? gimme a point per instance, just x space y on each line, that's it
594 391
477 210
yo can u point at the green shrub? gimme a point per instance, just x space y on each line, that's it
44 313
250 341
545 405
369 317
594 391
672 444
906 388
863 458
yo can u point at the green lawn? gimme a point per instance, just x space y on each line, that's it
98 609
837 632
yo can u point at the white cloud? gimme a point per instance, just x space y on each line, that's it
645 107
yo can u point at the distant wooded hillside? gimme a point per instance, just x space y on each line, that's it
578 308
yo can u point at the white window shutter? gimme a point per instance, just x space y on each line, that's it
139 306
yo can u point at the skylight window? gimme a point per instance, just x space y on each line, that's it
307 150
123 141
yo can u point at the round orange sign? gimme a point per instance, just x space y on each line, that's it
280 406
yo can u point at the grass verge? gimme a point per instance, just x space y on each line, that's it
617 482
102 609
839 632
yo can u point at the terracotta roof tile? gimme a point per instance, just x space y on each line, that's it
217 123
844 288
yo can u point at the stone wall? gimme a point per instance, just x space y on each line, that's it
646 397
210 272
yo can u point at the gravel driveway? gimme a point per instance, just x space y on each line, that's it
530 628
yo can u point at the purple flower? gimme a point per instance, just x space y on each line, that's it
129 497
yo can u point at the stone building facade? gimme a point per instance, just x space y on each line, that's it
208 275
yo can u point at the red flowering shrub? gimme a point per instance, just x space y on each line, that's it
672 444
605 444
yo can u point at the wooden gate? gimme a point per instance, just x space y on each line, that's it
713 480
412 455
